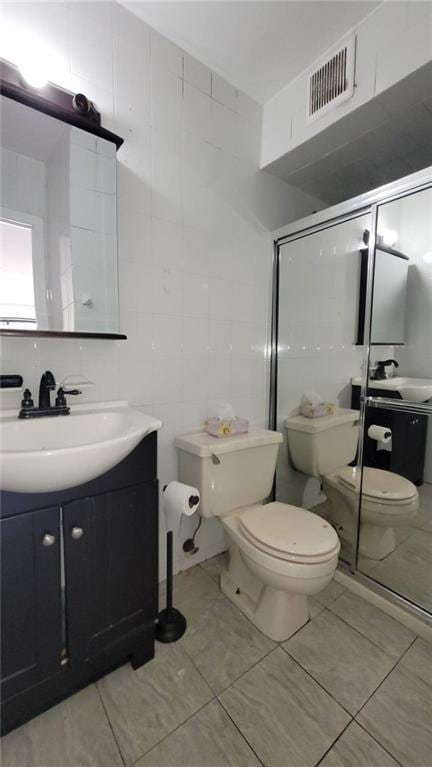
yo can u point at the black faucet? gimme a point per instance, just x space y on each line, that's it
47 384
379 373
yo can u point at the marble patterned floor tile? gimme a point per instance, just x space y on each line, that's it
423 519
284 714
373 623
355 748
214 566
330 593
207 738
407 569
343 661
145 705
194 590
223 644
75 732
399 717
418 660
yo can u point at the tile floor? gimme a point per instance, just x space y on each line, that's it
353 688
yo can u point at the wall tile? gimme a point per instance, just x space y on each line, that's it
197 74
223 92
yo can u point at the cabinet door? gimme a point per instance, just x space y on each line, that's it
111 555
30 599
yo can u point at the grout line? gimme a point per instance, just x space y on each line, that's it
377 741
110 724
146 753
335 615
386 676
350 714
334 742
239 730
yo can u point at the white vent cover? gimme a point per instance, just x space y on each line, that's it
331 81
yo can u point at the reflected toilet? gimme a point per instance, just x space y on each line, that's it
324 447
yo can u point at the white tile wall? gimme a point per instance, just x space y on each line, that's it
194 214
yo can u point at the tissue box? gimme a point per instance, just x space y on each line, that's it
313 411
218 427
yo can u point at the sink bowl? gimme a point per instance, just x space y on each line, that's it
55 453
412 389
415 389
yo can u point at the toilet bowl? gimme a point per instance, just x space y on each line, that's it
388 501
279 554
324 447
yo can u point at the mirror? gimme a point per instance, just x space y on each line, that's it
58 231
389 296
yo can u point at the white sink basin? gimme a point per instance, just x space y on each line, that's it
45 454
412 389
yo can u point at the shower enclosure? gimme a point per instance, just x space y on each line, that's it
352 326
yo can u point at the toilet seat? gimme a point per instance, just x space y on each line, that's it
379 486
289 533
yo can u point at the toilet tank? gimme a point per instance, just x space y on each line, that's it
229 472
318 446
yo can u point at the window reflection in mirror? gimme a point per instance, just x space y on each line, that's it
58 221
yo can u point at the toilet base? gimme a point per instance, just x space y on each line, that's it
276 613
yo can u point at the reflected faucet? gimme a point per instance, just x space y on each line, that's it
47 384
379 372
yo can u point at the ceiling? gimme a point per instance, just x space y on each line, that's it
257 46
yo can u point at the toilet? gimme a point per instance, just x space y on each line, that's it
279 554
323 447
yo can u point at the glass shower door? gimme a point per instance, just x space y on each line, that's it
318 355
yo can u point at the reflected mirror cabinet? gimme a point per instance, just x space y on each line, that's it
362 345
58 219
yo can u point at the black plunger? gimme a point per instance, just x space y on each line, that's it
171 624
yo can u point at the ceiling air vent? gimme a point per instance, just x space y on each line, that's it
331 82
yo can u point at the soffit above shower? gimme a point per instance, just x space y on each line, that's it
386 138
257 46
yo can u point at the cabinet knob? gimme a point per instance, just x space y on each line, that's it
48 539
77 532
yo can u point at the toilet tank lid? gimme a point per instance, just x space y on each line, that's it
204 445
314 425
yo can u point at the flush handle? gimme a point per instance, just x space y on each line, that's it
48 539
77 533
215 459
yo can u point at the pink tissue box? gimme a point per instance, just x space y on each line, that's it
220 428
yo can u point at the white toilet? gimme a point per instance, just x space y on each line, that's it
323 447
279 554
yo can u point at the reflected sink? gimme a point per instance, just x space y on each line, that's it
56 453
412 389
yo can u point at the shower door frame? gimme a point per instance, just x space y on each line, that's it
365 204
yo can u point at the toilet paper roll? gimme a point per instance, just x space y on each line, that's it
382 435
179 499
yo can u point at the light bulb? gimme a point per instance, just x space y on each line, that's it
34 74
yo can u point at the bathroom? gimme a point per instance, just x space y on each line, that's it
235 267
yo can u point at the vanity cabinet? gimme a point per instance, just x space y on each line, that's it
79 584
30 599
409 434
108 568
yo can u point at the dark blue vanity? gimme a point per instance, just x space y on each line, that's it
79 585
